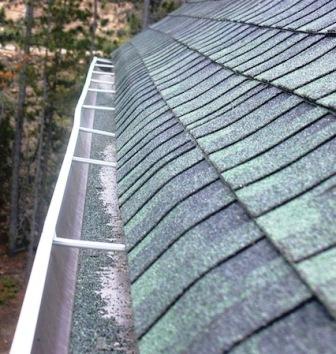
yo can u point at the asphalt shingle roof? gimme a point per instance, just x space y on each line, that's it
225 115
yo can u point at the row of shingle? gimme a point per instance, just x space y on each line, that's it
304 114
309 16
295 62
187 234
283 166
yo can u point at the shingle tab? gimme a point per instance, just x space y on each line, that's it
186 185
308 330
304 226
319 272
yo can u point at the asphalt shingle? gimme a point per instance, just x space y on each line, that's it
226 137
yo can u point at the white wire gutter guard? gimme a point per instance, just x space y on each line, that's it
45 283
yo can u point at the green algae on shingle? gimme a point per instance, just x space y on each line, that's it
282 154
298 177
232 285
269 136
308 329
305 225
203 203
274 159
205 245
248 124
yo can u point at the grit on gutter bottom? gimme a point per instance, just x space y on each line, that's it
102 316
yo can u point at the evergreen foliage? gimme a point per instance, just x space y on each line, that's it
54 63
47 72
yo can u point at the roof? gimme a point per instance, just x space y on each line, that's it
225 116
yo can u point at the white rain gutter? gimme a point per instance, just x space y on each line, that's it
27 324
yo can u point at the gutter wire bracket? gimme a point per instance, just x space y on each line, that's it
104 60
106 246
96 131
100 108
94 162
101 90
104 66
103 72
102 81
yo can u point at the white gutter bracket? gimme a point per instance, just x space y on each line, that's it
105 246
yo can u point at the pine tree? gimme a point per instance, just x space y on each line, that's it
64 35
66 57
41 137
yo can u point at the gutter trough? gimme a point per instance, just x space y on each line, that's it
47 323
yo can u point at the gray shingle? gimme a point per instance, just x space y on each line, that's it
299 177
210 242
204 201
304 226
308 330
282 154
267 137
239 290
244 125
163 144
156 182
189 182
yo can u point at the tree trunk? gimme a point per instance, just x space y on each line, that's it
19 118
37 189
37 179
145 14
94 26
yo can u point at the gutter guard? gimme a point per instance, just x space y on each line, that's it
38 310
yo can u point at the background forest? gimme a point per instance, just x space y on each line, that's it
45 49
